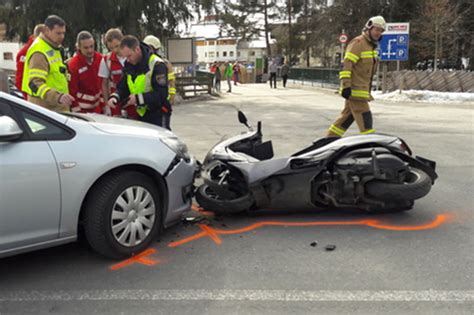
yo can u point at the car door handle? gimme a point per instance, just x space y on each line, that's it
67 165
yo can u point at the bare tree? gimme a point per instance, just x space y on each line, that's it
438 17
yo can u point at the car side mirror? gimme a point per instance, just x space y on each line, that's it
9 129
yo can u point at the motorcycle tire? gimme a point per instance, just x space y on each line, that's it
210 201
416 186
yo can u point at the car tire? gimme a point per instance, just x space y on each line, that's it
123 214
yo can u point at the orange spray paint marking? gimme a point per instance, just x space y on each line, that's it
139 259
214 233
211 233
201 210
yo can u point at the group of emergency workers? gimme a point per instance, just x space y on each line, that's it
133 80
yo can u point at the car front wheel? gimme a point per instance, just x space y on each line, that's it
122 214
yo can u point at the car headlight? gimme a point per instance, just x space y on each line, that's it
179 147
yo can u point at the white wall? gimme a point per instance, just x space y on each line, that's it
6 48
211 53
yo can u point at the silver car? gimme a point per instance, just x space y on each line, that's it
119 181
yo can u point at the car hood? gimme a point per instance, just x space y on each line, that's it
121 126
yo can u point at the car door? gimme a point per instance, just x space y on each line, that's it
30 204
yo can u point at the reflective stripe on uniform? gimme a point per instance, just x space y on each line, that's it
38 73
360 94
172 90
338 131
352 57
171 76
88 97
367 131
347 74
42 90
369 54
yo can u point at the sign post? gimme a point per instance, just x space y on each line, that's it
343 40
394 45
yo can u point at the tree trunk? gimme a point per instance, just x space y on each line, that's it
435 61
306 32
289 31
267 40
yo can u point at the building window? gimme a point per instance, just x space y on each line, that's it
231 54
211 42
252 53
205 54
217 54
211 54
7 56
224 54
238 54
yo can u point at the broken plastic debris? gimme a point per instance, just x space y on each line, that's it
193 220
330 247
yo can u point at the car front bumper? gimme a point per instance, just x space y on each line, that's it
180 180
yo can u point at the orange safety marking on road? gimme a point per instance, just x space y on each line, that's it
141 258
214 233
211 233
201 210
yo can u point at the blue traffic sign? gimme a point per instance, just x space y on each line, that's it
394 47
394 43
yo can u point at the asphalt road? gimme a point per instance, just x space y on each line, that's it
418 262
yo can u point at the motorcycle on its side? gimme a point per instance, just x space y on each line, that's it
374 172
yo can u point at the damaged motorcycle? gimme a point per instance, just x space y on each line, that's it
376 173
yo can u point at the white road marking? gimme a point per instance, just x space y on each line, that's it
241 295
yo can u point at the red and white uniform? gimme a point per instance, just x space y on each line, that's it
85 85
111 69
20 64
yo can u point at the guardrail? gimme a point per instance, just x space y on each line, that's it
323 77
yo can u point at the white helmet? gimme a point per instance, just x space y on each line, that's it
152 41
377 21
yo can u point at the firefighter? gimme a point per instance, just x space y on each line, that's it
110 71
85 84
360 64
45 74
144 83
21 56
155 44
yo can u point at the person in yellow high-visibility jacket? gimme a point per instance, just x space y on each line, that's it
144 84
155 45
45 74
360 64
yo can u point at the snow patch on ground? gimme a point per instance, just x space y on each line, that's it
424 96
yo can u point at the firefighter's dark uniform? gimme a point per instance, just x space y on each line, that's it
360 64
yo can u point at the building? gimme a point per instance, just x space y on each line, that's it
212 44
8 51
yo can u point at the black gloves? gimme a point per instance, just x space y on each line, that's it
346 93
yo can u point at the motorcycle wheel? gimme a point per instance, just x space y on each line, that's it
416 185
210 200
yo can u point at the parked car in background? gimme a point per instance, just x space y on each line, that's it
119 181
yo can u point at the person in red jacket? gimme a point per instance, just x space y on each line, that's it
110 72
85 84
21 57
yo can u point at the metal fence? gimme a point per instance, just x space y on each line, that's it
315 76
442 81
